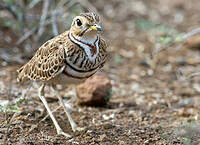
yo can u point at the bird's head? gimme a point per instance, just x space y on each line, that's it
86 25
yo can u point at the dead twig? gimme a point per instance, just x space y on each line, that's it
33 127
48 114
8 8
33 3
66 4
43 18
44 22
26 35
11 120
181 76
30 33
53 23
191 33
193 75
182 40
187 35
9 57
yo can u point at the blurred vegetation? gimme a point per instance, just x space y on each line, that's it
12 107
32 22
188 131
108 95
27 13
167 35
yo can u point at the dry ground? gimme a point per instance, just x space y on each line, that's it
152 101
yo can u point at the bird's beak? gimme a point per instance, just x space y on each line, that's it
96 27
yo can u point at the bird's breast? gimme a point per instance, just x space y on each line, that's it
78 67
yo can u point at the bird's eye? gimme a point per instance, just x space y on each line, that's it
78 22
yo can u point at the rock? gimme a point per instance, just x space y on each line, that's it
94 91
193 42
107 117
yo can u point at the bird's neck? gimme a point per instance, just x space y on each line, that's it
89 44
88 39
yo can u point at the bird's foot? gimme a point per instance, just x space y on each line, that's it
60 132
76 128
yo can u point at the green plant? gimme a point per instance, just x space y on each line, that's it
108 95
12 107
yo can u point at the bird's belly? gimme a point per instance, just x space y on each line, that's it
71 76
63 79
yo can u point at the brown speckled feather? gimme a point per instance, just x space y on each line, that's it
47 61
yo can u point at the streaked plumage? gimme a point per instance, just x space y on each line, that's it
70 57
60 56
65 54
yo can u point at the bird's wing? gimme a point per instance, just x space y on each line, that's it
47 62
103 51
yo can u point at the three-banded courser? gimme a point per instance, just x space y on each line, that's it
69 58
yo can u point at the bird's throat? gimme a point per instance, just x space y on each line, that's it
89 45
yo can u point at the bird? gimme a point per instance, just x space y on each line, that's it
67 59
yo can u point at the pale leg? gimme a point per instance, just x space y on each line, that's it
67 111
74 98
42 98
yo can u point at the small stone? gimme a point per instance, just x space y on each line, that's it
122 142
146 142
102 137
107 117
108 126
134 77
94 91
